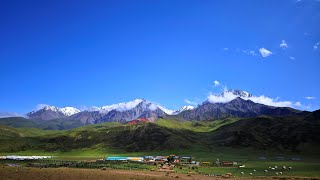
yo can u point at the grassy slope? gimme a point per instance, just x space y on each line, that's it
96 143
55 124
161 135
18 122
7 132
195 126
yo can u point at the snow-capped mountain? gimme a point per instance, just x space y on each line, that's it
124 106
230 103
69 111
167 111
51 112
184 108
175 112
233 103
121 112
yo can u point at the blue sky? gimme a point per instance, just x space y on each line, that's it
94 53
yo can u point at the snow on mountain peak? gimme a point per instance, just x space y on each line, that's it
167 111
175 112
68 111
185 108
52 108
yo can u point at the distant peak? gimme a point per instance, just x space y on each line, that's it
52 108
68 111
185 108
237 92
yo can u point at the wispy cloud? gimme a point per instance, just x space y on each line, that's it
252 53
292 58
310 97
265 52
239 50
283 44
216 83
316 46
190 102
249 52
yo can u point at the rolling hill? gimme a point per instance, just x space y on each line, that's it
286 133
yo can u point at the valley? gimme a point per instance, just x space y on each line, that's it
255 136
243 140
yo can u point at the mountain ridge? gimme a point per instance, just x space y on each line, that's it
230 103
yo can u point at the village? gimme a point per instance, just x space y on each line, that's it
171 159
167 164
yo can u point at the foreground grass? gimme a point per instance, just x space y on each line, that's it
308 166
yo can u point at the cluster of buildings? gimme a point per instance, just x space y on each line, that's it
153 159
21 158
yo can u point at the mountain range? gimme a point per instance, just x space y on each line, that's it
239 106
239 123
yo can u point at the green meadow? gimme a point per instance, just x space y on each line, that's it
97 142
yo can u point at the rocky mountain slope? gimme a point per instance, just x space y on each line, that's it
230 103
235 108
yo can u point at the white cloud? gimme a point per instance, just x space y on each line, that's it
229 96
270 101
283 44
226 49
265 52
122 106
310 97
316 46
292 58
216 83
298 104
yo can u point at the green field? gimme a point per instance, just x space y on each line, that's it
163 137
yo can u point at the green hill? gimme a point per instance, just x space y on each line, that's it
55 124
196 126
299 133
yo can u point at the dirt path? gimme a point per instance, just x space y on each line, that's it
73 173
25 173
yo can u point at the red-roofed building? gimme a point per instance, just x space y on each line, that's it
138 121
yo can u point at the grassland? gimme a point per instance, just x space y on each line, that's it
163 137
196 126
